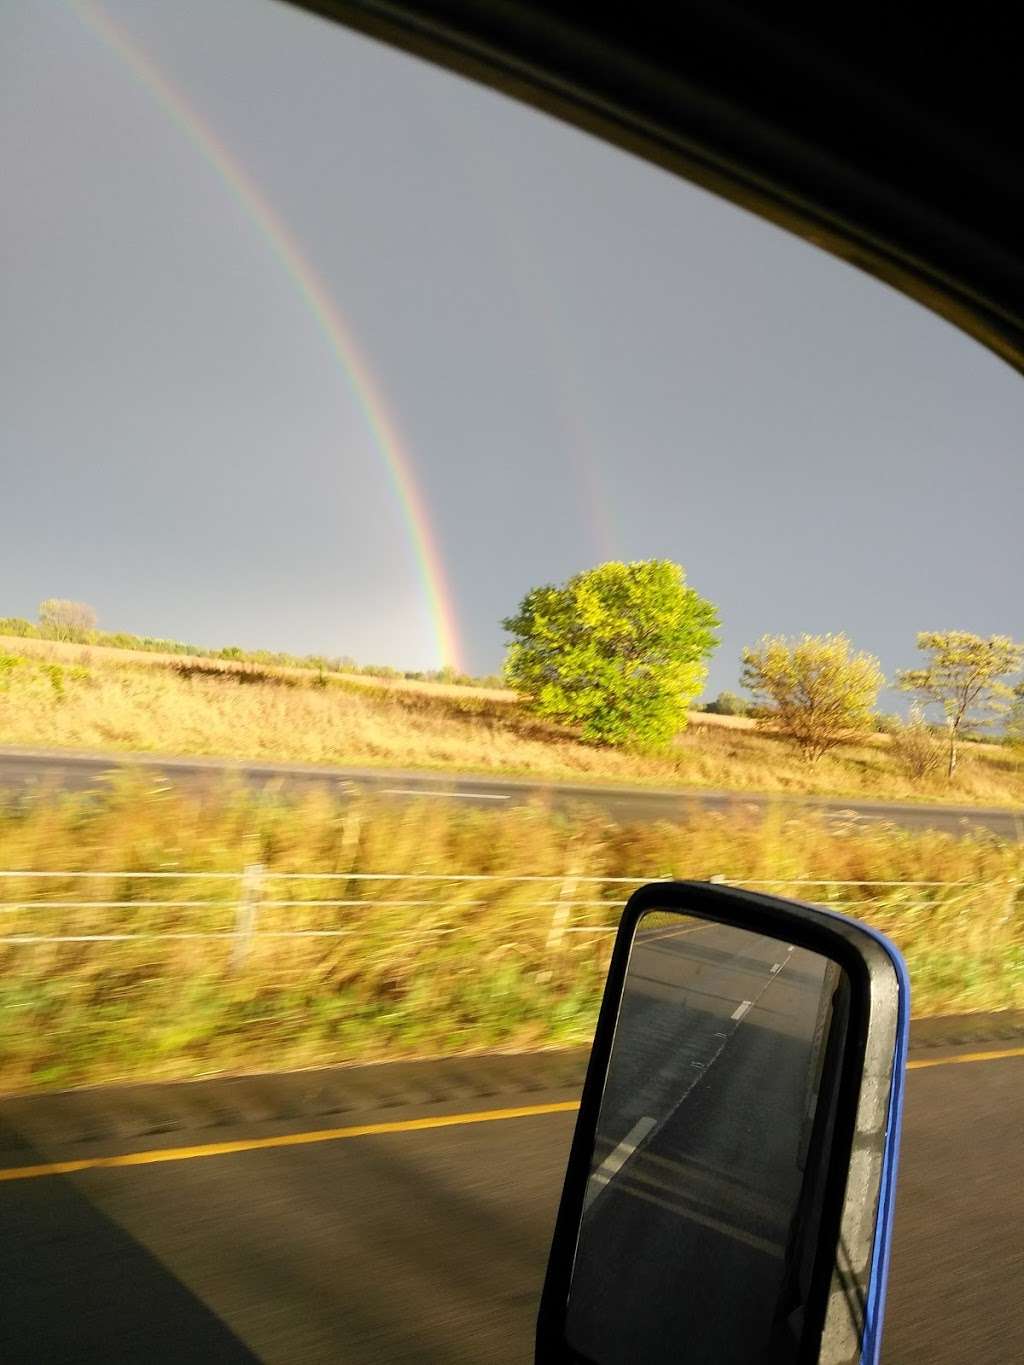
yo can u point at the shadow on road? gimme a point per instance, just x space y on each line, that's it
79 1288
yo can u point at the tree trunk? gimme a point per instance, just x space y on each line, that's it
952 753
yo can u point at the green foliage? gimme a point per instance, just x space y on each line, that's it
814 689
964 676
31 672
727 704
619 651
8 663
18 626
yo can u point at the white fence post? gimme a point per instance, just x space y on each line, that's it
249 893
560 919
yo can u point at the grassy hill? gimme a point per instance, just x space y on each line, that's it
98 698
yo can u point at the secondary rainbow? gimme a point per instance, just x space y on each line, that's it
317 298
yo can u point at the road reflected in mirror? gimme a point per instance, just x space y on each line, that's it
705 1191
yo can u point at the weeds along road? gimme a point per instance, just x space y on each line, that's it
402 1214
22 770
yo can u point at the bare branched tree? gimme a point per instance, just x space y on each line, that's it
63 619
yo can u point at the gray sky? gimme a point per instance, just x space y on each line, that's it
586 358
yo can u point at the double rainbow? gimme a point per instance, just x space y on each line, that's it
314 292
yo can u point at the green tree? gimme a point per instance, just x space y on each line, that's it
814 690
727 704
619 650
964 676
62 619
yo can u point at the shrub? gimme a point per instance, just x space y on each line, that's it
814 690
915 748
16 625
727 704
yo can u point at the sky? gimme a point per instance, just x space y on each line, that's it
252 264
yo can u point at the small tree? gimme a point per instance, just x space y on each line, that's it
619 650
964 676
814 690
66 620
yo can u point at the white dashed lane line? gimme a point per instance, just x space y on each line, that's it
616 1159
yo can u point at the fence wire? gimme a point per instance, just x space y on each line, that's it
252 900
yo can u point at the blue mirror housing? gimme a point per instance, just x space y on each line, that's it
730 1188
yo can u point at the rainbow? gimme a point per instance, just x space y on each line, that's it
320 304
502 205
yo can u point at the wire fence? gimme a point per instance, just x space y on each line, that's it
563 900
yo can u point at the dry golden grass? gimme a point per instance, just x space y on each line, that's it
61 652
470 971
185 706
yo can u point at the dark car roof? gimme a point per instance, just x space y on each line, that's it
892 136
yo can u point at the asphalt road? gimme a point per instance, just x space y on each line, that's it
420 1244
23 770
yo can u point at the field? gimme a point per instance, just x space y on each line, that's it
87 698
414 967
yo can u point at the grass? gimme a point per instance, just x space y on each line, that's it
81 698
18 631
70 654
473 970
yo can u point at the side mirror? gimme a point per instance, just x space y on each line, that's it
729 1193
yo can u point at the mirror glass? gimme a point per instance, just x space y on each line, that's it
702 1207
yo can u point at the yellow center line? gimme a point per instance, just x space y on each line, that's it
150 1158
961 1057
526 1111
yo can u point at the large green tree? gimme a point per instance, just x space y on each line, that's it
620 651
964 675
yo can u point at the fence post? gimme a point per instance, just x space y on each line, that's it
351 829
249 894
560 918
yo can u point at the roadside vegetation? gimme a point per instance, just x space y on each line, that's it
603 676
479 966
69 622
75 698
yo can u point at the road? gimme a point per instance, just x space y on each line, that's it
419 1244
22 770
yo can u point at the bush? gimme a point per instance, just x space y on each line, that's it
814 690
727 704
916 749
16 625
